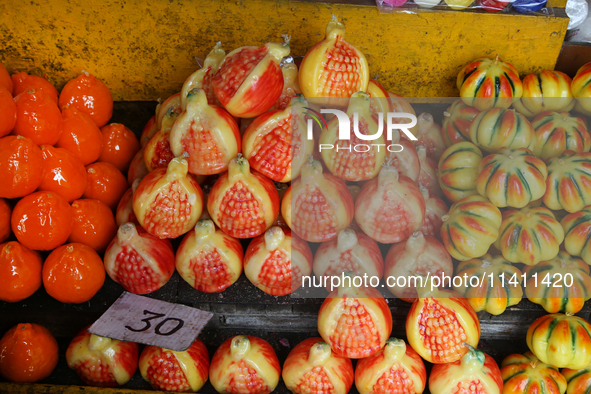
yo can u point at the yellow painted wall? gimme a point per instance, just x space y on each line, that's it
144 50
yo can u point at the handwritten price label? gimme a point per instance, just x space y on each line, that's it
152 322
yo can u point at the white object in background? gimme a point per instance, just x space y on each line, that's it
577 11
427 3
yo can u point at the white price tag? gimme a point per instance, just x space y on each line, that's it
153 322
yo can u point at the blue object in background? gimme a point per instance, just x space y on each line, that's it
526 6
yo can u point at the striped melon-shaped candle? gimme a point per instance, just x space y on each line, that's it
512 178
470 227
581 88
557 132
561 340
579 381
577 230
487 83
458 169
562 284
545 90
568 185
525 374
456 122
501 128
493 296
529 235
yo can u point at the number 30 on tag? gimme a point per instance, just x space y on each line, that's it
152 322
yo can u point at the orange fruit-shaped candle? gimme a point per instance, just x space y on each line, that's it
28 353
355 320
352 252
73 273
525 374
418 255
5 214
202 78
139 261
475 372
105 183
23 82
80 135
244 365
313 368
209 259
439 323
100 361
158 153
277 140
396 368
88 95
119 146
276 261
355 164
22 165
208 136
5 80
8 111
169 370
390 207
63 173
42 221
38 118
20 269
333 67
94 224
249 80
168 202
242 203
